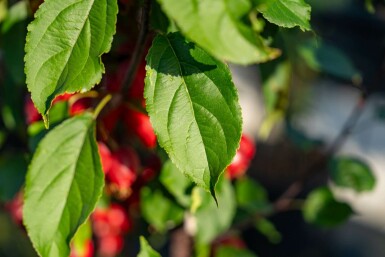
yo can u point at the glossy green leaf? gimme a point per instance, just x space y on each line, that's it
159 210
211 219
12 172
251 195
286 13
146 250
352 173
176 183
64 183
64 46
194 109
217 27
323 210
228 251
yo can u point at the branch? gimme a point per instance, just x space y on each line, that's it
284 201
140 46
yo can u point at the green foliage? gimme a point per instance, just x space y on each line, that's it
159 210
82 236
18 12
228 251
146 250
286 13
194 109
12 171
326 58
323 210
176 183
63 185
267 228
217 26
352 173
64 45
37 131
251 196
212 219
276 79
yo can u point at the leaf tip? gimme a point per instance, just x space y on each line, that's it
212 192
46 120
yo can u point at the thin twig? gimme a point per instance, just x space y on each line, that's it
287 201
139 48
296 187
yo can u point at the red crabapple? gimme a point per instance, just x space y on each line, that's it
242 158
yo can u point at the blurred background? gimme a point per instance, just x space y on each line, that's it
325 92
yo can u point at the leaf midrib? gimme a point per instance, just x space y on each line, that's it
188 93
72 179
70 49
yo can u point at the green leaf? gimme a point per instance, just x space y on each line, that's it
11 107
251 195
323 210
82 236
286 13
213 220
217 27
64 47
3 10
18 12
64 182
37 131
158 20
276 81
13 45
326 58
194 109
12 172
176 183
159 210
228 251
267 228
352 173
146 250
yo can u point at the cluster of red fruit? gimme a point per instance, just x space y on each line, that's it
125 171
122 129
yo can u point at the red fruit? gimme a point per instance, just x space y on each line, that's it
152 168
230 240
87 250
31 113
113 220
139 125
233 241
110 246
118 219
122 173
242 159
110 120
80 105
247 147
15 208
105 157
63 97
